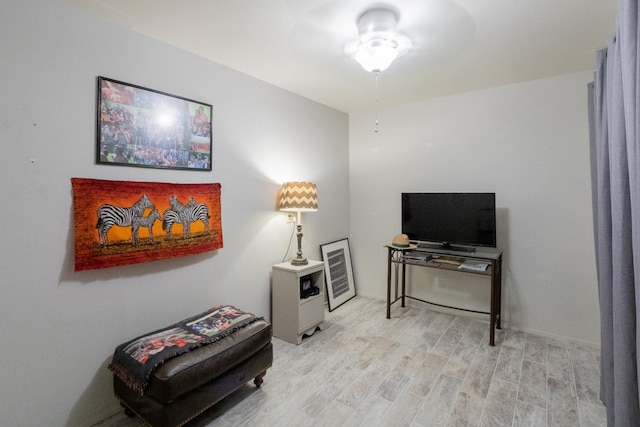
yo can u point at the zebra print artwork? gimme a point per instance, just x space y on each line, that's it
110 215
119 222
170 217
144 221
185 215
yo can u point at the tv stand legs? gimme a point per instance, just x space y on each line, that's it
395 259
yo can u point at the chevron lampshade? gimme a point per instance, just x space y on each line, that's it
298 197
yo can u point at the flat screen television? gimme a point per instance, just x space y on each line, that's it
450 220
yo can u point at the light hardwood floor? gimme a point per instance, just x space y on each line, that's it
420 368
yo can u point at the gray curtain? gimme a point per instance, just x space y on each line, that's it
615 159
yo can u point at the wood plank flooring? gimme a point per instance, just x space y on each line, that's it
419 369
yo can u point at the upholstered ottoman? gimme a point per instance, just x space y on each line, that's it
185 385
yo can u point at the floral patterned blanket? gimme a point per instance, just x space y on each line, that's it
134 361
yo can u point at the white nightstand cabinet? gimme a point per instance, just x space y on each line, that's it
292 315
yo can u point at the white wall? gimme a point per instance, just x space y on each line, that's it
59 327
529 144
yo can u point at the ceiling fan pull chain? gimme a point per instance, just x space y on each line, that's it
375 129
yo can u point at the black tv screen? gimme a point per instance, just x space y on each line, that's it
467 219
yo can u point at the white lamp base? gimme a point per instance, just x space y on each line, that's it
299 261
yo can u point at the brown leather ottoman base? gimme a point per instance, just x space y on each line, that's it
189 405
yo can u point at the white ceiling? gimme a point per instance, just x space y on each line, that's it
297 45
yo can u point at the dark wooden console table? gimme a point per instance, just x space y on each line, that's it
448 260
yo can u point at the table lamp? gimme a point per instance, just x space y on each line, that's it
298 197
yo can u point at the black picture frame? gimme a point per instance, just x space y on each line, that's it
142 127
338 268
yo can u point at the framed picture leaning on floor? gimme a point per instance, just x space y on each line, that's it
338 272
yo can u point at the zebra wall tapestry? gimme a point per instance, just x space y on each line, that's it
126 222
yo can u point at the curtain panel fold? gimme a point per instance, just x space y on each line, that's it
615 159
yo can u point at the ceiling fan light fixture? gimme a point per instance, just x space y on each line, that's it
379 43
376 56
